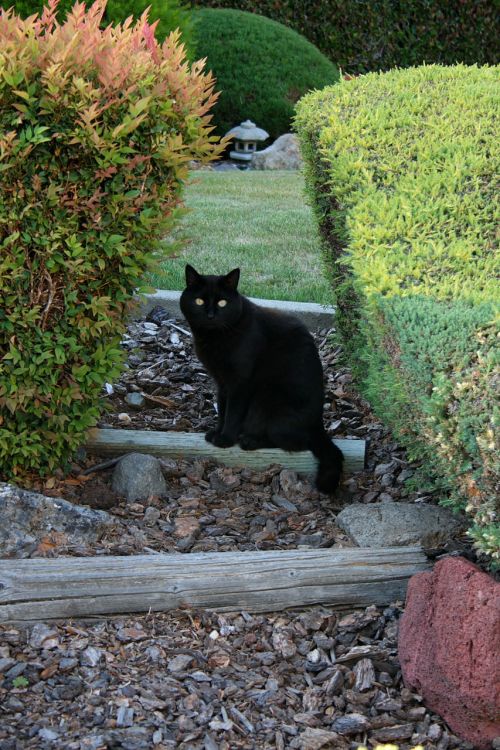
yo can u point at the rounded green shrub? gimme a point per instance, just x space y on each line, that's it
262 68
97 126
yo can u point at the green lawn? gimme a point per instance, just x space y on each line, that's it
259 221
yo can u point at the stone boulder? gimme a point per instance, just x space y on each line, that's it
284 153
449 647
398 524
138 476
29 519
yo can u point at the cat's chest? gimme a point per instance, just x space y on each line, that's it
225 360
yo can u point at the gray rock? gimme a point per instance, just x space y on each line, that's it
137 476
135 400
398 524
28 517
225 166
284 153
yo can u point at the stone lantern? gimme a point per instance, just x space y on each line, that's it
246 136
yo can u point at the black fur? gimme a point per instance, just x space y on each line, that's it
267 370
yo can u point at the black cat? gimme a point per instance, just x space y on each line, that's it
267 369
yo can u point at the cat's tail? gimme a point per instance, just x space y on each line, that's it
330 462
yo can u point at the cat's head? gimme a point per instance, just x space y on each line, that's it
211 302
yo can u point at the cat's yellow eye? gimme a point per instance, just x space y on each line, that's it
222 302
199 301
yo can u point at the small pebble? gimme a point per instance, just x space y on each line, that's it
48 735
135 400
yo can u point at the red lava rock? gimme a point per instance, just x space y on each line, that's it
449 647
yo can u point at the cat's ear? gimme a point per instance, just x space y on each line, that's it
192 276
230 280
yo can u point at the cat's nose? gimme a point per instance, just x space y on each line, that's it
210 314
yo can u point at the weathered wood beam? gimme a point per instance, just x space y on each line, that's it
109 442
41 589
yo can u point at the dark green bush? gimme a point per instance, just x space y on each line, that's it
382 34
96 130
261 67
403 170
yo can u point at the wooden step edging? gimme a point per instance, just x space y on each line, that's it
312 314
45 589
111 442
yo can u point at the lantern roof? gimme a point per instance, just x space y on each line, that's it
248 131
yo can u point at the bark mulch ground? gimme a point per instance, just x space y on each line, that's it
195 680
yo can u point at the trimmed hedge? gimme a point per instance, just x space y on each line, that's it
97 127
262 68
403 170
383 34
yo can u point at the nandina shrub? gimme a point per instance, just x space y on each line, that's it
96 129
171 15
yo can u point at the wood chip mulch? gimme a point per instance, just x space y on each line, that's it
202 681
195 680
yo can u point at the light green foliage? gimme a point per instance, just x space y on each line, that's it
262 68
97 127
258 221
403 168
20 682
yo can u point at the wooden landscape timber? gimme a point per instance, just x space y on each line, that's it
110 442
44 589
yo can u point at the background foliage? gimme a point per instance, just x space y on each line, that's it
262 68
382 34
96 129
403 170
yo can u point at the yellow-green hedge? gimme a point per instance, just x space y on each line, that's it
403 170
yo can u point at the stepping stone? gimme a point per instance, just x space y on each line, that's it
398 524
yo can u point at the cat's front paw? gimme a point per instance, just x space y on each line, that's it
249 443
222 441
211 435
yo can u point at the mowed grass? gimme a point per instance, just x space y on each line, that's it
259 221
